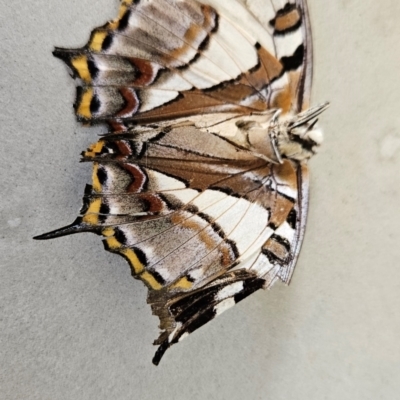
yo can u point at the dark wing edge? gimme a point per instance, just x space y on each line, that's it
304 91
302 209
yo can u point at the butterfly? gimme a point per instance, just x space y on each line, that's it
201 183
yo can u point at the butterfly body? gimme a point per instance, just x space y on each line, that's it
201 183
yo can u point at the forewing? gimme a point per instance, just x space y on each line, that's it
166 59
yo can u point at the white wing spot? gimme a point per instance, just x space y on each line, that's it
230 290
224 305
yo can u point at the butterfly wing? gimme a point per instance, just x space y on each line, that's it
202 221
166 59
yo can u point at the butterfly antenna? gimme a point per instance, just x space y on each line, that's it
308 115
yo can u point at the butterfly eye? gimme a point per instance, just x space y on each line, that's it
246 125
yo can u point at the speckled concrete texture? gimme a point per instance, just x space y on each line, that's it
74 325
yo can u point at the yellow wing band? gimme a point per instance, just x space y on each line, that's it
84 105
97 40
92 215
138 268
80 63
183 283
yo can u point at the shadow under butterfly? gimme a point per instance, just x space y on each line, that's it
201 183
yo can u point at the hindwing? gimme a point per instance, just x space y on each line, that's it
200 220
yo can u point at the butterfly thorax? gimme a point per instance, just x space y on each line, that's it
274 136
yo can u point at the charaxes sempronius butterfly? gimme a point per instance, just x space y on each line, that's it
201 183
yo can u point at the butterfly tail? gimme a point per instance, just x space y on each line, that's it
196 309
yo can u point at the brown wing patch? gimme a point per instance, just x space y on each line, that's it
268 69
189 103
287 19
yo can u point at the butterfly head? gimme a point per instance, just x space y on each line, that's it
297 137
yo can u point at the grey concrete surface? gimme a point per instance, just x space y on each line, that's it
74 325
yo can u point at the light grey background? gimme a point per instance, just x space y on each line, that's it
74 325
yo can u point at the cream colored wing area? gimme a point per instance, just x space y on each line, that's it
287 21
250 26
